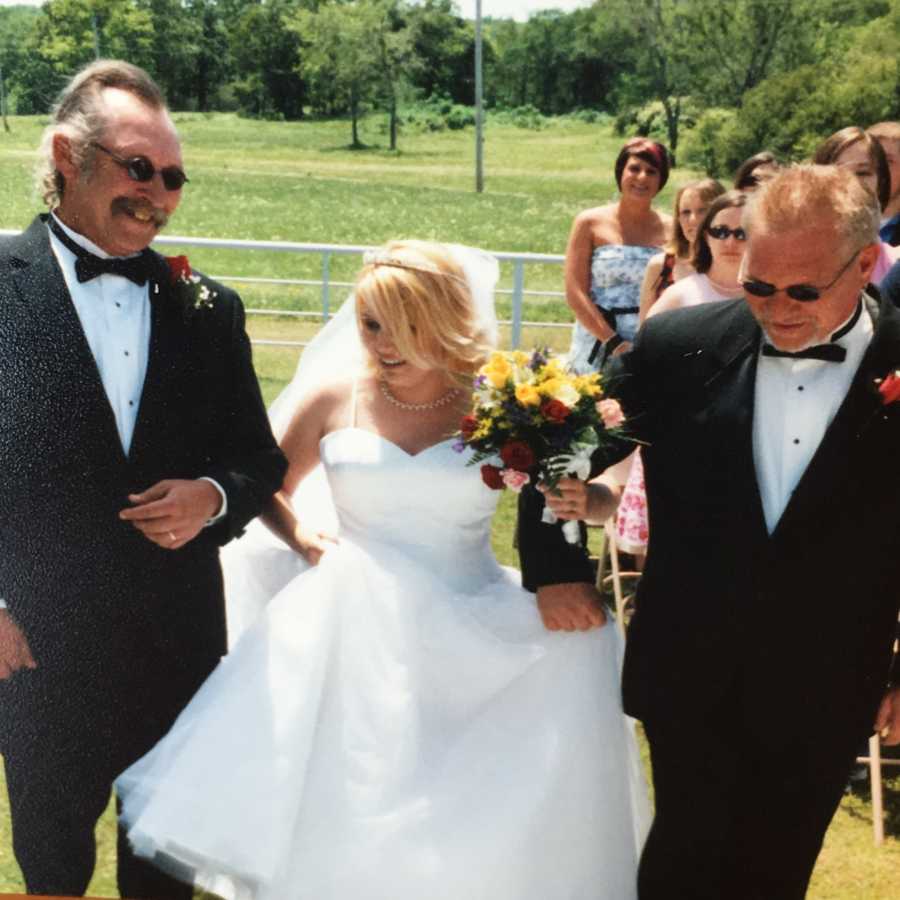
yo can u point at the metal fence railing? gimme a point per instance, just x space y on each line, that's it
326 284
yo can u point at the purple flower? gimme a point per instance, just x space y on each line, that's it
458 446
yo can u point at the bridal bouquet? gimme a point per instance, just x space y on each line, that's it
539 420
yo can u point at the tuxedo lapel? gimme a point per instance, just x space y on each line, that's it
730 389
57 328
857 417
166 358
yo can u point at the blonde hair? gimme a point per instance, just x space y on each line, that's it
420 296
803 196
79 115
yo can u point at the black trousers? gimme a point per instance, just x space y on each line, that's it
62 751
735 818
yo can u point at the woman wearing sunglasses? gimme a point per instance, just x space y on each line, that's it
853 149
718 251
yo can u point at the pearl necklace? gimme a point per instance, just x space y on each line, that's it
443 400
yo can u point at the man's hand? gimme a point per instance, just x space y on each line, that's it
575 606
887 722
14 651
174 511
590 501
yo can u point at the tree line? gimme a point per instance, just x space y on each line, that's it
716 81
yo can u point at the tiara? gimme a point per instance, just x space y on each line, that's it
380 258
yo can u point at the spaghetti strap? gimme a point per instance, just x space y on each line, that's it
353 393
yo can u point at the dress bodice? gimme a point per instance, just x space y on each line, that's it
617 271
430 505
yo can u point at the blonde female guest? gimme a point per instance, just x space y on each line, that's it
609 248
691 206
397 723
718 251
664 269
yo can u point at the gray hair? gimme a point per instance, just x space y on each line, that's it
803 196
78 114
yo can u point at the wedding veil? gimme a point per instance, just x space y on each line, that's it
258 565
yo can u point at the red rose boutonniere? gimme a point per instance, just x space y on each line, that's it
188 286
889 388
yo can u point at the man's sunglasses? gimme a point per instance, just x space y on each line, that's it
722 232
805 293
139 168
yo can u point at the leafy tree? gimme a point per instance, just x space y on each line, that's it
265 53
336 55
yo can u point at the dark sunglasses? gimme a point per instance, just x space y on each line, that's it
805 293
721 232
139 168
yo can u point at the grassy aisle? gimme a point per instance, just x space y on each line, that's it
299 182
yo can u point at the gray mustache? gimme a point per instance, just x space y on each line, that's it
130 205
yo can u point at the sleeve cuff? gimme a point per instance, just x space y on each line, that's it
223 509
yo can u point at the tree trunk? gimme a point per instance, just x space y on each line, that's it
354 115
673 117
393 126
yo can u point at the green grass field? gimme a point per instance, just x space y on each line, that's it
300 182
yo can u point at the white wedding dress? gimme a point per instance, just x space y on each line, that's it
397 724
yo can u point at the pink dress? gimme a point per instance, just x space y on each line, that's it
631 520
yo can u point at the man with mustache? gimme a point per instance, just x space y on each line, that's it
134 443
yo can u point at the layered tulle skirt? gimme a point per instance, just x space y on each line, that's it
383 733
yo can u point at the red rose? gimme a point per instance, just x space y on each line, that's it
468 426
179 267
491 476
555 410
890 388
517 455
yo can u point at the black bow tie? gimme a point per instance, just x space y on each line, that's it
87 265
134 268
827 352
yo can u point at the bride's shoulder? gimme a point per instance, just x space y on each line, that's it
321 407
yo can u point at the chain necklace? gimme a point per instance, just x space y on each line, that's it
726 290
443 400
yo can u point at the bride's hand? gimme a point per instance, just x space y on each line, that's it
312 544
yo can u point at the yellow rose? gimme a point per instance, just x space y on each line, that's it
527 395
548 387
498 370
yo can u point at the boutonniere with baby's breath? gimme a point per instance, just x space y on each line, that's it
189 288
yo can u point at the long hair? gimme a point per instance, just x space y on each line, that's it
702 258
708 189
420 295
78 114
829 151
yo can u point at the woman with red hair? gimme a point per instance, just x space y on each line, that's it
608 251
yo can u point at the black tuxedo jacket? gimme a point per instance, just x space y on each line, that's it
112 619
800 621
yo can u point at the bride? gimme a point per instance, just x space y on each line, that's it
396 723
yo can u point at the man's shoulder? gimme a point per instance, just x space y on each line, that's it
693 328
22 245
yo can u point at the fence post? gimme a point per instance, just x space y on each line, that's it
326 269
518 291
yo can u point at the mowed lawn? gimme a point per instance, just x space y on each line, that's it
300 182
